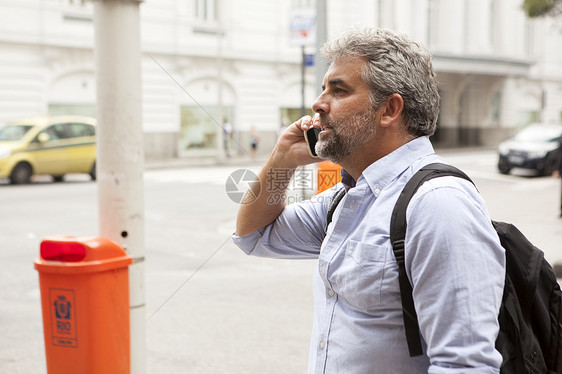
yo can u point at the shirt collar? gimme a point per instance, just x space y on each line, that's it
383 171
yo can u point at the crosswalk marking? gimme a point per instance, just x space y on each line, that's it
211 175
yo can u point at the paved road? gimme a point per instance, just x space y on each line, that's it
210 309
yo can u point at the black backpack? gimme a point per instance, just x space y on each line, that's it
530 316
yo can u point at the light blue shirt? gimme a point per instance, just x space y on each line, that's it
454 261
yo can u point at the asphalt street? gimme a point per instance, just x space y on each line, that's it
210 308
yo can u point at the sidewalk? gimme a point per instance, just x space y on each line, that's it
203 161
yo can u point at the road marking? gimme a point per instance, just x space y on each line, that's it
213 175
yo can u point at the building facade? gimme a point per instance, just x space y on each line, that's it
210 61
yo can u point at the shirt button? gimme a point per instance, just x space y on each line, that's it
322 345
377 191
331 292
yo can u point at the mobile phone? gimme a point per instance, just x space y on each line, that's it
311 139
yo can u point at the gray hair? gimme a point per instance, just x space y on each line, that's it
396 64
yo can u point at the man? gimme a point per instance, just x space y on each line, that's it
227 136
378 106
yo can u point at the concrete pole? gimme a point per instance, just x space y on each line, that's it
320 64
321 36
306 169
120 155
303 82
221 140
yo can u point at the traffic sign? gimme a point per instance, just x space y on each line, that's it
303 27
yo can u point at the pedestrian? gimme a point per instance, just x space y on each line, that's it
558 172
227 136
254 141
282 126
378 107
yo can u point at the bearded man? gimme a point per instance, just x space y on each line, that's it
378 107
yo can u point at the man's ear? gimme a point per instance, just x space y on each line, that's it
391 110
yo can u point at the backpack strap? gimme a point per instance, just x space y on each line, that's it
397 238
334 204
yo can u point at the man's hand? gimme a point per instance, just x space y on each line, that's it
290 152
291 149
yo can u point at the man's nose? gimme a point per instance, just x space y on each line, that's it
320 105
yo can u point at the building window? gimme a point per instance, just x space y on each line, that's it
529 36
493 27
432 23
295 4
526 117
206 10
77 10
290 115
199 127
74 3
60 109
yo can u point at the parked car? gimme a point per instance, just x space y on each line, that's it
534 147
47 145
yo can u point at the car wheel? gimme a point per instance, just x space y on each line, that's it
93 172
504 169
58 178
549 166
21 174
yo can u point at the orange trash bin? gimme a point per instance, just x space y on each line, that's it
328 175
85 303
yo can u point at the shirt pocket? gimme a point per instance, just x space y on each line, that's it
359 278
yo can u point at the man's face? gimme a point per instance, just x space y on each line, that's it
346 114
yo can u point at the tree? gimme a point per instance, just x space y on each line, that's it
540 8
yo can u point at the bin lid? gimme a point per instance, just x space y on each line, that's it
69 254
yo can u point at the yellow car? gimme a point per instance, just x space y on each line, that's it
47 145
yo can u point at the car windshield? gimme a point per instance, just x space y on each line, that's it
539 133
14 132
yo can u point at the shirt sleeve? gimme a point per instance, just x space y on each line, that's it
296 234
457 269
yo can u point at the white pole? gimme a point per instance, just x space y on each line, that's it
221 136
321 36
120 155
